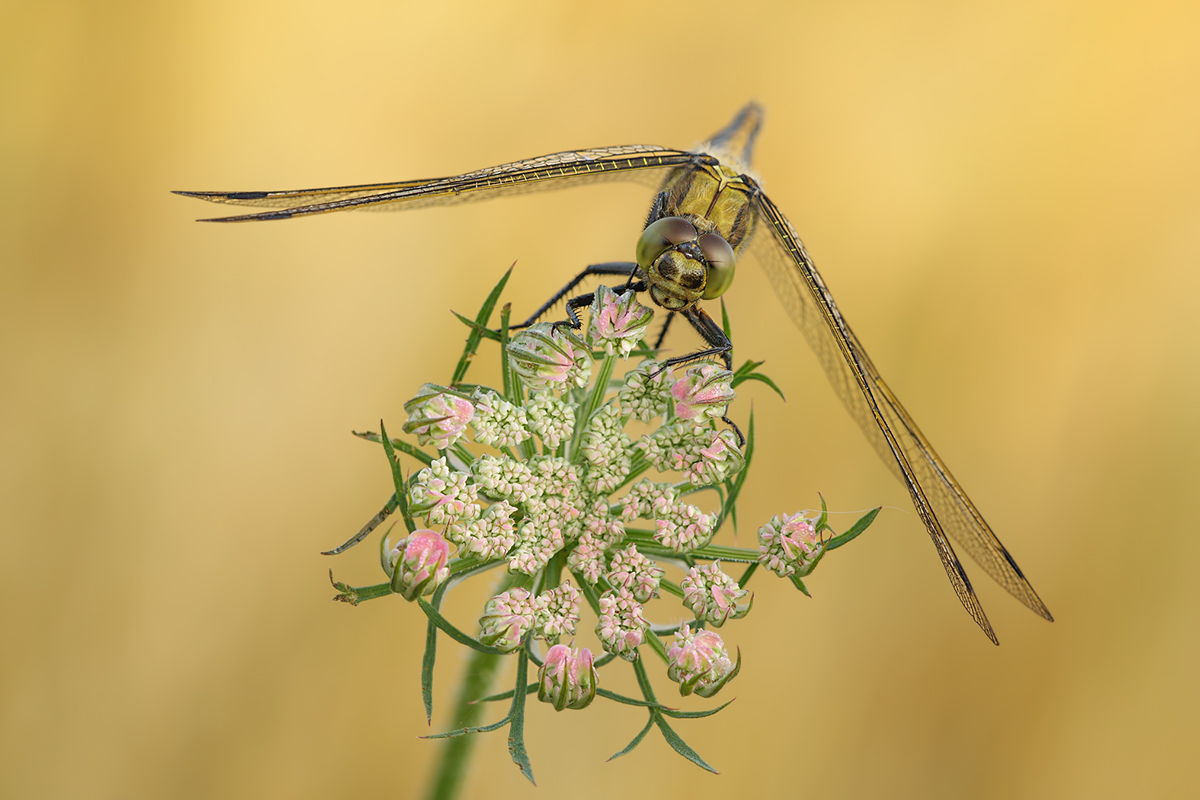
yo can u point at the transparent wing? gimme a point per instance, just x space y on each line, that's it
556 170
941 503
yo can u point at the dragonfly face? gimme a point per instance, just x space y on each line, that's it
700 225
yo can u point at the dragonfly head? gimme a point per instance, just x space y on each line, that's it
682 265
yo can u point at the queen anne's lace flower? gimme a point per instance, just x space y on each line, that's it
712 595
717 462
552 420
606 449
538 539
788 544
622 627
699 662
631 570
498 422
601 525
681 446
442 495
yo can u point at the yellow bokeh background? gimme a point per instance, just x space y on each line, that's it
1003 197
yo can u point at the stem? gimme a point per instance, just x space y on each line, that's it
454 760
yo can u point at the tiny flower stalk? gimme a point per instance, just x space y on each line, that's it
567 678
557 506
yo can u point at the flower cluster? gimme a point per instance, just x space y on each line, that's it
557 500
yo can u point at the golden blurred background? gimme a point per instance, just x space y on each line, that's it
1004 197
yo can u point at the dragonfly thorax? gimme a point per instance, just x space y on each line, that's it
682 265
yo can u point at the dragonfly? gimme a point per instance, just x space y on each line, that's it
709 212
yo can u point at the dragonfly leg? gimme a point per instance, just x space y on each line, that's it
621 268
662 334
585 300
711 332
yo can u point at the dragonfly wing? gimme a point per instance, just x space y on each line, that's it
941 503
558 170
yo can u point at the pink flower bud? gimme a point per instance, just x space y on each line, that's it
437 415
545 355
418 564
618 320
788 545
567 678
703 392
507 619
700 663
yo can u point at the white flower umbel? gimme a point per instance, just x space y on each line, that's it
552 420
442 495
489 536
683 527
647 391
498 422
503 478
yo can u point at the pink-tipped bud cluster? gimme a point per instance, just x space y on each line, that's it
567 678
545 355
438 416
418 563
507 619
699 662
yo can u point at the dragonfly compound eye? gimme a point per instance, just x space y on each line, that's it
721 264
661 235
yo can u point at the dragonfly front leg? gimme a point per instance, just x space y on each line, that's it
620 268
710 331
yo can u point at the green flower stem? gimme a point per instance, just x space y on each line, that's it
659 649
451 771
587 409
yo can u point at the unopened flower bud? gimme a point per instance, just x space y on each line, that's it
788 545
507 619
442 495
712 595
546 355
704 392
437 415
418 564
699 662
720 460
567 678
619 321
